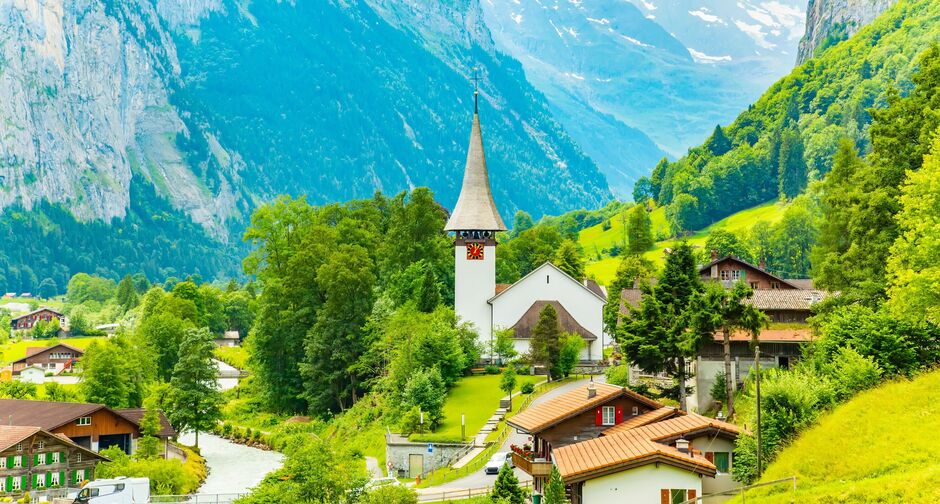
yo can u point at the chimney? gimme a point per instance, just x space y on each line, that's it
592 392
714 255
763 264
682 444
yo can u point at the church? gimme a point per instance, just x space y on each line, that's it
478 299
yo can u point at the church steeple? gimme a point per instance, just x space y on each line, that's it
475 209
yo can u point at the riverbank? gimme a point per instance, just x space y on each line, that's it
233 468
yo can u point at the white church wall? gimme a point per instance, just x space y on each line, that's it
547 283
474 285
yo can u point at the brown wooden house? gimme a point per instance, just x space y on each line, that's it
581 414
92 426
730 269
27 321
54 359
33 459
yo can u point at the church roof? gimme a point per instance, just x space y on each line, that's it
475 209
523 327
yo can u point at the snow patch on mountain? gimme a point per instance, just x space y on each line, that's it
701 57
704 15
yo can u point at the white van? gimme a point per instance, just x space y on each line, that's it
115 491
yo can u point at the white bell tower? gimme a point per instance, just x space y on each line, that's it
475 221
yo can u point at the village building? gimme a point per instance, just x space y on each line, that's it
33 459
55 359
475 221
32 374
29 320
228 339
610 443
730 269
91 426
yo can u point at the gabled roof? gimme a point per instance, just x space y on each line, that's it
134 415
50 415
523 327
676 427
786 299
540 268
772 335
707 269
44 308
657 415
10 435
475 209
572 403
34 351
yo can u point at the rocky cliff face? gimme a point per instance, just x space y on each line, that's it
830 21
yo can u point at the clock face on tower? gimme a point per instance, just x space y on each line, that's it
474 251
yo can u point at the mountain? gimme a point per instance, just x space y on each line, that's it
831 21
211 107
809 112
619 75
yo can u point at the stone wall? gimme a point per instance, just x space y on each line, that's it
400 453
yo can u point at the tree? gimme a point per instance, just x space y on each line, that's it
718 143
726 310
503 346
725 243
643 190
640 230
683 213
570 353
148 446
193 393
430 294
109 376
427 392
521 222
391 494
508 383
546 341
55 392
570 259
506 487
84 287
48 288
914 264
660 335
46 330
793 239
633 270
164 333
127 297
792 170
555 489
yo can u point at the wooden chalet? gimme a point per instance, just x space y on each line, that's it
730 269
33 459
28 320
55 359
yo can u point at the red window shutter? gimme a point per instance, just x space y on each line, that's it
599 416
618 417
664 496
691 495
710 456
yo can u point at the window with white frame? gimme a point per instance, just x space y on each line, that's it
80 475
735 274
724 275
3 485
608 415
41 481
55 457
19 446
17 482
3 462
55 479
85 420
40 444
79 459
18 461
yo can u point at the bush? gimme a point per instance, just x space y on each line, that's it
426 391
491 369
527 388
618 375
391 494
719 390
166 476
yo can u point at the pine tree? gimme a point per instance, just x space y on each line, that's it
127 293
430 295
555 489
546 341
506 487
570 259
193 394
522 222
792 171
640 234
718 143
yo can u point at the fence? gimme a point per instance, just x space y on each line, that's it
444 494
742 492
196 498
441 476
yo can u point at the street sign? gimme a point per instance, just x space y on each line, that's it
430 448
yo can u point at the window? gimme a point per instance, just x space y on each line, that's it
80 475
17 484
40 445
774 285
680 495
79 458
723 462
55 479
19 446
724 275
736 275
755 285
55 458
3 485
85 420
18 461
636 410
3 462
608 415
40 480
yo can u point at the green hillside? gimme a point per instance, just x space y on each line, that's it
595 240
878 447
789 136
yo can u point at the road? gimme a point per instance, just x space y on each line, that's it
480 479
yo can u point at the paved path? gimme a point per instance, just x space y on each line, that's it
480 479
372 465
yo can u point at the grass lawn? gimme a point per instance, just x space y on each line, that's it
477 397
878 447
12 351
594 239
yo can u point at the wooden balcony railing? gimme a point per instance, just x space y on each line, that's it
534 468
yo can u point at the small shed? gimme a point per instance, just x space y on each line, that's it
33 374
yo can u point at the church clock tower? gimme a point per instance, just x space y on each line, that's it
475 221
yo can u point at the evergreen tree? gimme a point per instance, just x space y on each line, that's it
506 487
660 335
633 270
521 222
430 294
508 383
194 397
792 170
555 489
127 297
640 230
718 143
546 341
570 259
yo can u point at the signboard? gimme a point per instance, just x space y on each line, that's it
430 448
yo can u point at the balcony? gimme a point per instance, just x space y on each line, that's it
536 468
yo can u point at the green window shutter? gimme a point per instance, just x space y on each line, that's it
49 458
9 486
10 462
74 477
62 480
23 481
35 480
63 457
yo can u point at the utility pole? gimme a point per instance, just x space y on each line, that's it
757 376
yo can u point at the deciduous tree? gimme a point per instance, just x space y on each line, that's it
194 395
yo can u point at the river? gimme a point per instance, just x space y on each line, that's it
233 468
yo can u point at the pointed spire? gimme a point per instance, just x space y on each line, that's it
475 209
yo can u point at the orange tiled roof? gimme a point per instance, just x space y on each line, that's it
569 404
794 335
578 461
12 434
675 427
648 418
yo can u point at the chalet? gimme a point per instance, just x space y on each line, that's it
54 359
92 426
27 321
662 456
33 459
730 269
577 415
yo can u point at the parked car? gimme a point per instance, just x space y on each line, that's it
497 461
115 491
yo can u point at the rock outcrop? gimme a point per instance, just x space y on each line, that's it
831 21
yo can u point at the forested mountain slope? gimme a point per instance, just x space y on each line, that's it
829 22
789 136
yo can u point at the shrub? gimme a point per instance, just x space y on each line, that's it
618 375
507 487
491 369
391 494
527 388
719 390
426 390
226 429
